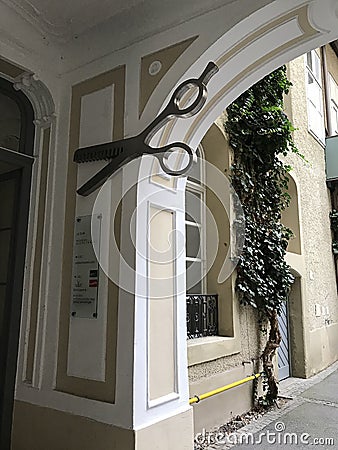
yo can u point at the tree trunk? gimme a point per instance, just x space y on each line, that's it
268 354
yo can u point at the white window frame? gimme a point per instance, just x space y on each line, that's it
200 189
318 130
334 104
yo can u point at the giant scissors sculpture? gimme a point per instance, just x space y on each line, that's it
122 151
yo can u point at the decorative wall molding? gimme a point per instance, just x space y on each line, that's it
40 97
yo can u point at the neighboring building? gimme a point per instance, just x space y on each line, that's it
95 361
309 322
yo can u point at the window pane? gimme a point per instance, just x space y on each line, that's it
315 93
309 60
315 100
334 116
10 123
316 67
194 277
193 206
195 170
316 122
193 241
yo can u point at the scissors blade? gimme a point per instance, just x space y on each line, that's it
97 180
122 155
100 152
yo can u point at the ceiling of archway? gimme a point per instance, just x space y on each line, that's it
63 18
66 19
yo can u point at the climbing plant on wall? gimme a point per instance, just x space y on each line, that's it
259 133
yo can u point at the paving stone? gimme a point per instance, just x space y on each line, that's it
299 429
326 390
311 414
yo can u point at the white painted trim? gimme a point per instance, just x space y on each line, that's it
162 400
44 117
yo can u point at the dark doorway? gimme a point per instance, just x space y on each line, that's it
16 148
15 178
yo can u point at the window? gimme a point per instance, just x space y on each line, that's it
10 123
16 120
334 105
195 229
315 96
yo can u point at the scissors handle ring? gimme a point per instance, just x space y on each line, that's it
198 102
164 153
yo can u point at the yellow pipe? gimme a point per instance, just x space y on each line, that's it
198 398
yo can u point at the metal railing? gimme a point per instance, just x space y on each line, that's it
202 315
198 398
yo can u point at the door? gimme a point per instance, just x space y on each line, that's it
283 349
15 176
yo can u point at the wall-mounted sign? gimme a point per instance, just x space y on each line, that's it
85 275
122 151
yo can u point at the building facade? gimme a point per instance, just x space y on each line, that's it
114 373
309 322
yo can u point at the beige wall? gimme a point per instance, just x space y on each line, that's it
290 218
332 62
58 430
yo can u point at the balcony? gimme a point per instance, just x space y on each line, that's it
331 158
202 315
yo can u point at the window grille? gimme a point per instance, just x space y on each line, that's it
202 315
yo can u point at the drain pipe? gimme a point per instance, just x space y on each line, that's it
198 398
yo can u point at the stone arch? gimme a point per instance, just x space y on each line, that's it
254 47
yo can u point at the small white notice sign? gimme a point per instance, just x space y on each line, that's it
85 275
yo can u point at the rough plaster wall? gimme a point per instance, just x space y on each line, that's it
251 346
315 205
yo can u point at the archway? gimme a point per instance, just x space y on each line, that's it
256 46
253 48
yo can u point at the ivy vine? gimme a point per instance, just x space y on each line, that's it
259 133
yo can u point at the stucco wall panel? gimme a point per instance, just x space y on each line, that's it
220 408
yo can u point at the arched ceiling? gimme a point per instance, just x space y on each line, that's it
63 20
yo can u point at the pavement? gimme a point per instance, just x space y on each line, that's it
309 419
